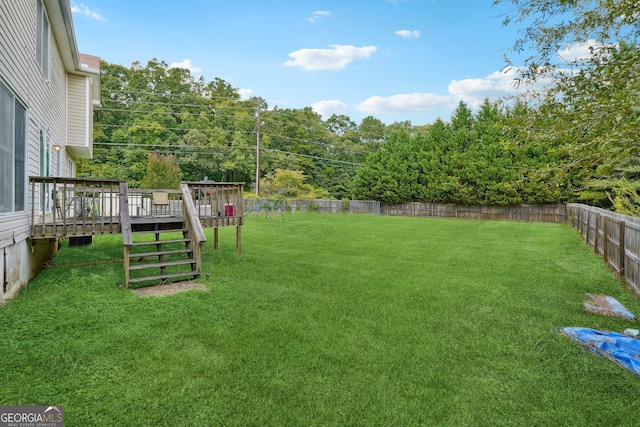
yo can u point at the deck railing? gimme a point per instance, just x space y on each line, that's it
145 202
67 207
218 204
194 226
63 207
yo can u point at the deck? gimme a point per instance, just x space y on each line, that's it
70 207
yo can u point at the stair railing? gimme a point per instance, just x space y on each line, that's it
127 235
192 221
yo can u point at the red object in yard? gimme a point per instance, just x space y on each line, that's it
229 210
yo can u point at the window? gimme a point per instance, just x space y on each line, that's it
42 39
13 152
45 170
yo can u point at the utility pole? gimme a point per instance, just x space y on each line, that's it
258 151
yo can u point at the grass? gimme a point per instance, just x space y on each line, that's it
328 320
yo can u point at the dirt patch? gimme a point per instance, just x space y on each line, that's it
170 288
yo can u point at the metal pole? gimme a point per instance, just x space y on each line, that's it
258 151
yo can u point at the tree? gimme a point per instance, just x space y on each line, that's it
553 25
372 131
290 184
162 172
587 112
465 164
211 132
392 175
620 184
462 117
340 124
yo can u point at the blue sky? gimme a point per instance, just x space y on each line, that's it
393 59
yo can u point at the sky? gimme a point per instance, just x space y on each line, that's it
396 60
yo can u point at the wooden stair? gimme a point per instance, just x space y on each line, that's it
161 251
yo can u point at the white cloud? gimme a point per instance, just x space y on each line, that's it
84 10
318 14
409 34
245 93
404 103
336 58
328 107
186 64
494 86
579 51
473 92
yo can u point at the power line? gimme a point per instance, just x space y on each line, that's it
164 128
193 149
138 102
314 157
245 131
173 113
169 94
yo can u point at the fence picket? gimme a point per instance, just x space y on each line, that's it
620 253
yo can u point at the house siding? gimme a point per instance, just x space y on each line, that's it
79 108
46 103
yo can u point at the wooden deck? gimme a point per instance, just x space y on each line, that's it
95 226
148 221
74 207
76 227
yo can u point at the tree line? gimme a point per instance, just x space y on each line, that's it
468 161
157 113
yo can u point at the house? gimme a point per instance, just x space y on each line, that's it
47 94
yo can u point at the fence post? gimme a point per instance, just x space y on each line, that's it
578 220
622 251
605 239
588 226
596 234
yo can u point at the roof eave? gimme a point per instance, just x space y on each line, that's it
61 21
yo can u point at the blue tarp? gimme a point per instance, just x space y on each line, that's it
621 348
606 306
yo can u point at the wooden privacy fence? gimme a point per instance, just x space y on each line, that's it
530 213
311 205
614 236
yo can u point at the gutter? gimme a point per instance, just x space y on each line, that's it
67 17
61 22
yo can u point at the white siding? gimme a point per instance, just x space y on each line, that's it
45 100
79 111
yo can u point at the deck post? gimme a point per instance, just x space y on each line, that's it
127 259
238 240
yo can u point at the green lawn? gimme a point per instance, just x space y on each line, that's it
328 320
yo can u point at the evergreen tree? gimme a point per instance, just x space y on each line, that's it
162 172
